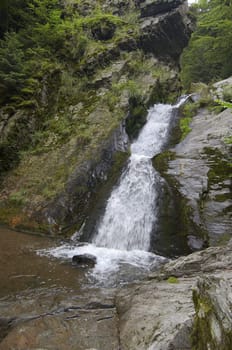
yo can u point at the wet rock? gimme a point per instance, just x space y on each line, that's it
202 173
84 260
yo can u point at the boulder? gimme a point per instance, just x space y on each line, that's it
84 260
154 7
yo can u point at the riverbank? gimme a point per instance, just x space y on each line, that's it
184 305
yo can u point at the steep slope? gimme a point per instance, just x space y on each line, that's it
62 137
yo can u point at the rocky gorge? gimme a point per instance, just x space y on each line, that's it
68 163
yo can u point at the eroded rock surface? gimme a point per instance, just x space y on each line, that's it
156 314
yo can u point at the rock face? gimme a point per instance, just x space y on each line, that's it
161 35
185 305
201 169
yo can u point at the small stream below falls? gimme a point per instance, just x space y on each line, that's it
122 236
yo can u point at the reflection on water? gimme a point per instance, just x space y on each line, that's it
21 268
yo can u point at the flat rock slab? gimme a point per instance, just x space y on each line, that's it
156 315
56 319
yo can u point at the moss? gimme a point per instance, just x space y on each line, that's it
220 166
187 112
203 334
172 280
228 140
185 127
160 161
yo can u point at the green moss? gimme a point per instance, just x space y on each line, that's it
172 280
203 336
228 140
220 166
160 161
188 110
185 127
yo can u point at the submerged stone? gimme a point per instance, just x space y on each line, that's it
84 260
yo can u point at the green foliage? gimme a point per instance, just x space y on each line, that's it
224 103
184 127
18 197
11 65
188 111
208 55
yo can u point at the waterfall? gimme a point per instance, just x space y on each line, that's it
122 237
131 209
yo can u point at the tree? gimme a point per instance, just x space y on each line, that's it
208 55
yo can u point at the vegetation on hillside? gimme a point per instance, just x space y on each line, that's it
208 55
43 38
70 71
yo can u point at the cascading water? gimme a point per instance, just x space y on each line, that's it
130 212
123 233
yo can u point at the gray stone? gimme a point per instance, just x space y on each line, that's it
213 320
155 314
201 168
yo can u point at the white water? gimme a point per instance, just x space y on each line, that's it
130 212
123 234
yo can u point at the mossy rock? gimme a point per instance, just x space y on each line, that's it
103 30
160 161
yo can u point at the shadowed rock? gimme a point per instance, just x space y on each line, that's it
84 260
